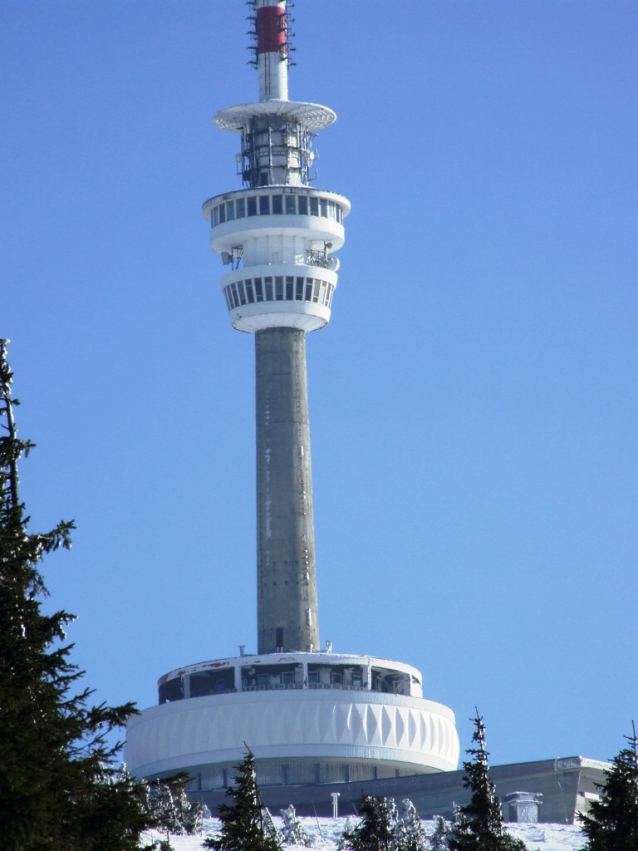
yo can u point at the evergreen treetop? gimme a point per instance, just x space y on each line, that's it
242 821
612 822
480 823
59 786
374 832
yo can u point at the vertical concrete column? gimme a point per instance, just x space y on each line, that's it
287 615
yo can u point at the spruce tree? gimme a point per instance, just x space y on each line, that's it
480 826
612 822
293 832
242 821
409 832
374 832
59 787
439 838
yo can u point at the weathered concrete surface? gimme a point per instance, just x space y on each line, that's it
287 617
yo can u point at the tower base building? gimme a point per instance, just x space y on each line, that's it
309 718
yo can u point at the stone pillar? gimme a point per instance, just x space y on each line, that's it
287 616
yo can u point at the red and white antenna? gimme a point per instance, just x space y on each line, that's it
271 48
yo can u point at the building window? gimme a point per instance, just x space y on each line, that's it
259 289
268 283
339 214
242 294
299 290
252 205
264 205
279 288
215 216
314 206
241 208
315 291
235 298
285 774
230 210
331 209
222 213
249 292
308 289
303 205
277 205
290 205
289 289
279 636
324 208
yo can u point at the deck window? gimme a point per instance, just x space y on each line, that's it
242 292
279 288
268 283
250 294
241 208
324 208
277 204
264 205
215 216
230 210
314 206
259 291
299 290
308 289
291 207
252 205
222 213
289 289
303 205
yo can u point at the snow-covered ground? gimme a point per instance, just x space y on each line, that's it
325 834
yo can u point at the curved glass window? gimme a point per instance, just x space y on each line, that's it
265 205
279 288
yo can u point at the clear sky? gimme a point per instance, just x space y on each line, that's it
473 401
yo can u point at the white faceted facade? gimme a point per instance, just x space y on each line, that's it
312 730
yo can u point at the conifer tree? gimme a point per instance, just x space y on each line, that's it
374 830
480 826
59 787
439 838
293 832
242 821
612 822
408 832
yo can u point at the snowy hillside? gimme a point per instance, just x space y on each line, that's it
325 833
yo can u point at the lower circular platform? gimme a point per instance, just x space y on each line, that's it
305 732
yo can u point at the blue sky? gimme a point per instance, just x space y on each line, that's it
473 404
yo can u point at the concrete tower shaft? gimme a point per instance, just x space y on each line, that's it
278 236
287 614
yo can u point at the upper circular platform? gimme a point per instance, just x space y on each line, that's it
312 116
